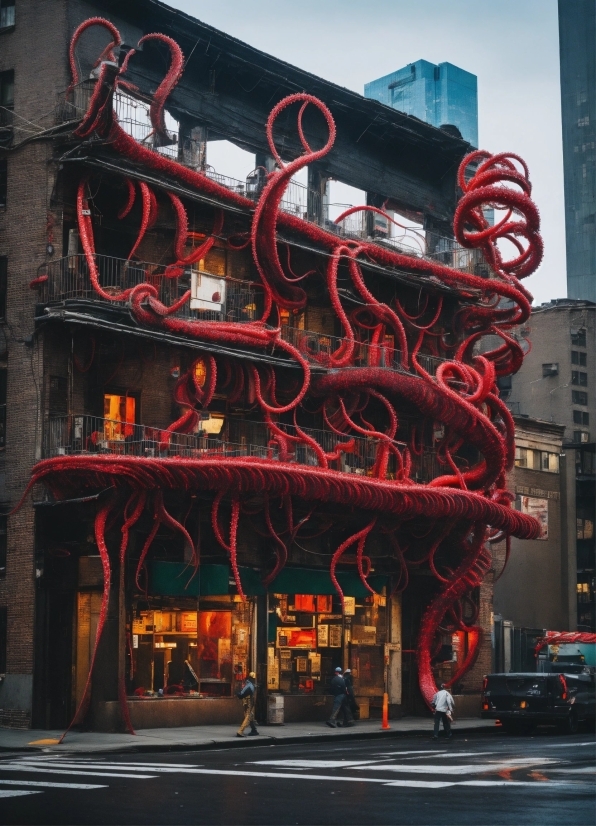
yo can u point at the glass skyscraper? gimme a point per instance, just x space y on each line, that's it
577 45
441 95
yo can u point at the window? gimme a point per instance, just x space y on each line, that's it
581 417
579 397
578 337
551 369
3 284
579 377
579 358
3 374
521 457
119 416
6 14
3 637
3 547
7 89
549 462
3 181
581 436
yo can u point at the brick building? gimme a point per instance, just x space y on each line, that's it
237 465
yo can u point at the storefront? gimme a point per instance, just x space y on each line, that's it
190 644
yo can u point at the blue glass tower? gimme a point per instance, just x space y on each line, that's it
441 95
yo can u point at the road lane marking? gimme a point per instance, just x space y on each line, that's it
122 766
449 754
566 745
22 767
91 761
50 785
419 768
15 793
418 751
581 770
314 764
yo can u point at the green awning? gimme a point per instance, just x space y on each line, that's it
310 581
173 579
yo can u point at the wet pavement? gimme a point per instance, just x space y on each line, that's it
482 776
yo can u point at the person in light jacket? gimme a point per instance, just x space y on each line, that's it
442 705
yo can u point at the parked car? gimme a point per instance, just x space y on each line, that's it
520 701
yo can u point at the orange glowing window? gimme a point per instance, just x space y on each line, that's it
284 316
200 369
120 415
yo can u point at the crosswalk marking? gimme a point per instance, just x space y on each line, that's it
49 784
313 764
463 769
443 752
23 767
15 793
57 759
122 766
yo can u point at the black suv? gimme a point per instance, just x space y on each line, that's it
520 701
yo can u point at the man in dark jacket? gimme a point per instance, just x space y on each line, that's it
351 703
340 696
247 695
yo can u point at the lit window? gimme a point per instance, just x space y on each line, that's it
119 416
200 371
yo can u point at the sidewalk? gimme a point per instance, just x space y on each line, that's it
217 737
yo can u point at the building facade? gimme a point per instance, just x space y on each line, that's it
442 95
577 35
235 438
556 382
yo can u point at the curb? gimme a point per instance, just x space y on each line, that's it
264 739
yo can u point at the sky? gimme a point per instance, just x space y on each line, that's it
511 45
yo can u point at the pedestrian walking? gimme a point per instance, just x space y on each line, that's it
443 705
248 695
352 705
340 696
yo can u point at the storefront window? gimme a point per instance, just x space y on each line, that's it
189 653
309 636
119 413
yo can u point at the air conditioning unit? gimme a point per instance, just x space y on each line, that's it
551 369
207 292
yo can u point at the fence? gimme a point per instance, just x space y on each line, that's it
68 279
319 348
75 434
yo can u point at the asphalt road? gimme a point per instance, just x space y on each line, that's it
482 778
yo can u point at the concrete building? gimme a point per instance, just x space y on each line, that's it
577 36
557 383
205 503
443 95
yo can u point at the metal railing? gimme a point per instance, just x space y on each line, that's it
68 279
77 434
319 347
133 115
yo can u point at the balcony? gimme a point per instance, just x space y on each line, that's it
299 200
74 435
319 347
68 280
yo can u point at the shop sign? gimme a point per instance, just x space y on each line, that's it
272 669
538 508
350 606
335 636
296 637
323 636
364 635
